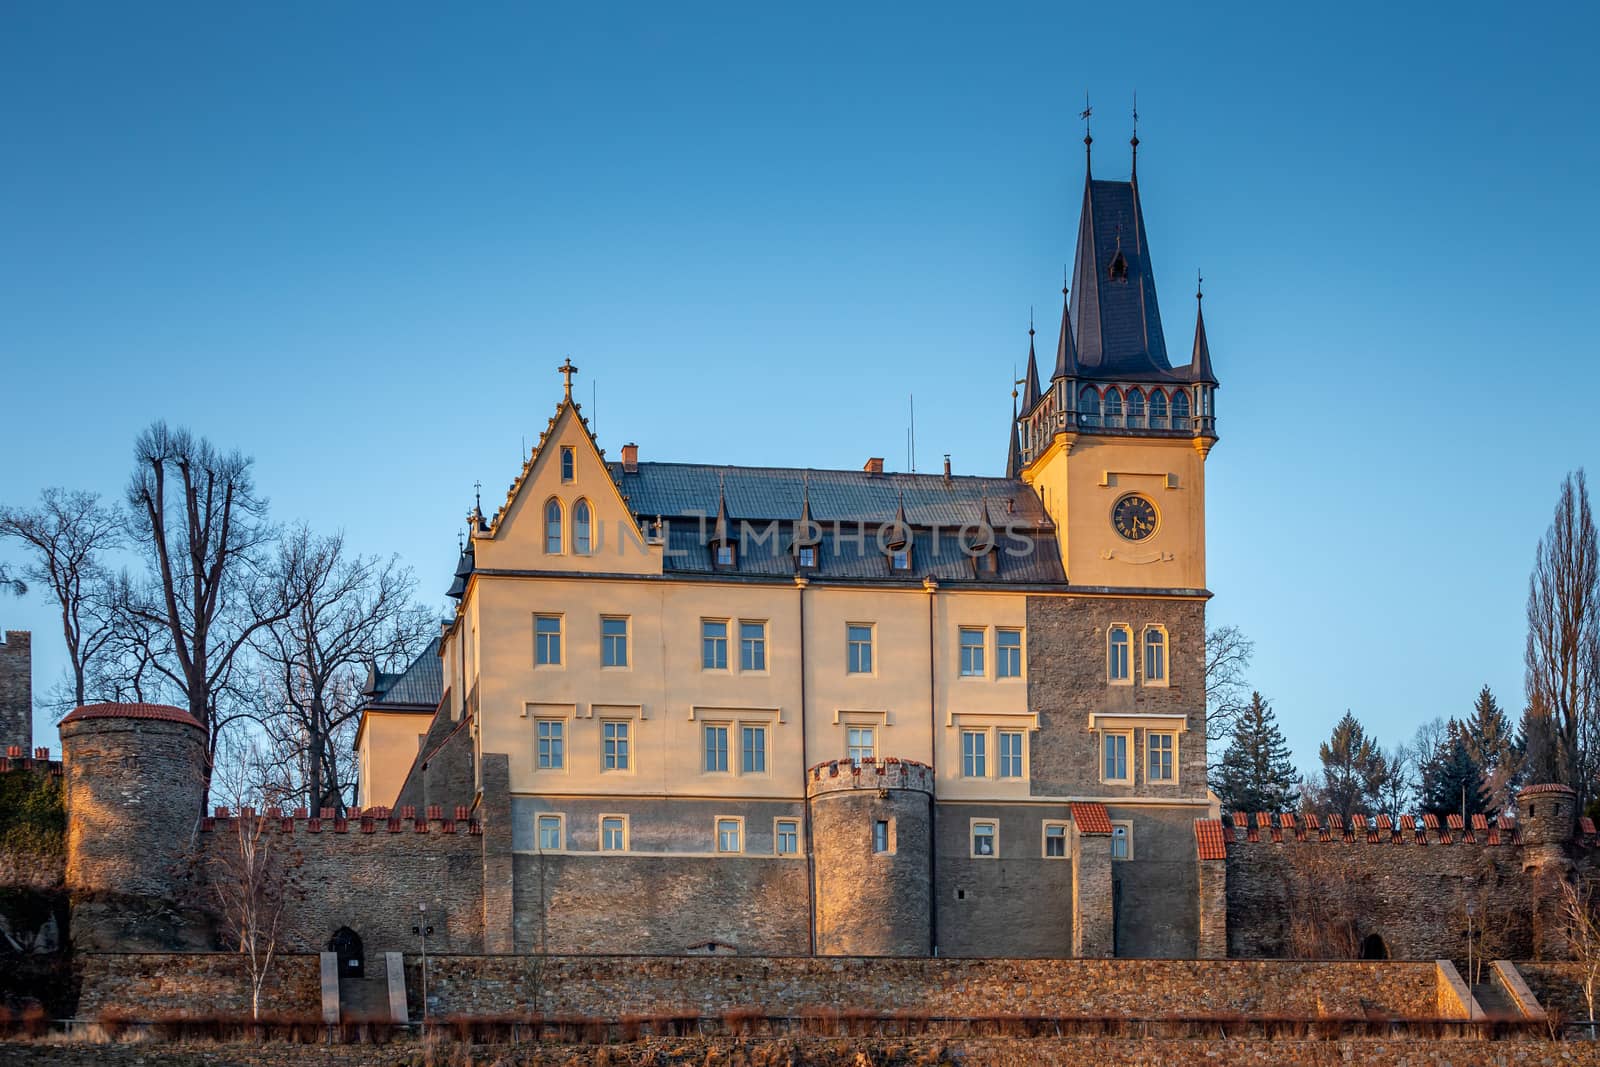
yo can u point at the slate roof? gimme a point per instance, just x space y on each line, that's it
421 685
1118 322
848 508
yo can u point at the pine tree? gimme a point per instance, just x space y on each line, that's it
1257 773
1452 781
1354 771
1492 747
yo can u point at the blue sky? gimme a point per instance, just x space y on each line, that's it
355 240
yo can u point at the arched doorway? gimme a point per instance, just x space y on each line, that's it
346 945
1374 948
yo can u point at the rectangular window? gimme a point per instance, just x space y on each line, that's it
730 835
1160 765
1008 653
858 646
552 753
972 640
974 757
1155 655
714 644
786 833
716 748
752 646
1011 753
1118 638
808 556
613 642
724 555
880 836
1121 841
753 749
900 559
547 640
984 835
1114 761
1055 840
861 743
613 833
614 744
550 833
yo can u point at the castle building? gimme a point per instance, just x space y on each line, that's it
788 711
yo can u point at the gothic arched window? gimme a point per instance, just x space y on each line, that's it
1135 408
582 538
1158 410
552 527
1180 410
1088 406
1113 407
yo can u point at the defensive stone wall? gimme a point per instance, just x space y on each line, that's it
16 691
368 873
200 984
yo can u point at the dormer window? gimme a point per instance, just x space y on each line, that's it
1119 267
569 463
900 558
723 554
806 556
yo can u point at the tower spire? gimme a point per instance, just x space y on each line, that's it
1134 141
1200 362
1066 346
1014 451
1030 381
1088 138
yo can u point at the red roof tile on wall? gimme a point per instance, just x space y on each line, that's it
1091 818
164 712
1208 839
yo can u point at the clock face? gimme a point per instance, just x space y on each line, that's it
1134 517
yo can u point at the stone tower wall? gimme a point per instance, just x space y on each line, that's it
134 787
16 692
870 902
1548 814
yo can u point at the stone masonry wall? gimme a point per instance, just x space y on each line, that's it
981 898
370 875
156 985
16 691
616 986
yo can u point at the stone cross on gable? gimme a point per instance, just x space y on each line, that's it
567 370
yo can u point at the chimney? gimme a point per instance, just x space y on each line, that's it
874 465
947 466
630 458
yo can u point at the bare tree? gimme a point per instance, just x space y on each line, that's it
347 612
66 537
1578 908
252 879
1563 650
204 532
1228 656
10 583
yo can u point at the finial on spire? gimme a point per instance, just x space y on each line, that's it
1135 139
1199 285
477 495
1088 138
1030 320
567 369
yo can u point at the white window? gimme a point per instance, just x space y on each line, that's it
1118 640
1011 753
714 644
858 648
753 750
547 640
582 528
752 646
786 837
1122 840
550 833
808 556
724 554
551 735
716 748
1161 749
552 527
1008 653
900 559
985 838
1114 757
614 642
614 744
972 641
1055 840
881 836
1155 655
974 758
861 743
613 833
569 463
730 834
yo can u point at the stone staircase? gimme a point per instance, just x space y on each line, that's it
364 999
1495 1001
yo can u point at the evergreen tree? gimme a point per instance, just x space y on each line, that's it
1452 781
1256 773
1354 771
1493 748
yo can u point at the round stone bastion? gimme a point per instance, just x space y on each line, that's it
871 839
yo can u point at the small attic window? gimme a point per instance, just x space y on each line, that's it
900 558
806 556
723 554
569 463
1119 267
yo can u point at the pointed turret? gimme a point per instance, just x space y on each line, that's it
1066 345
1200 363
1030 383
1014 453
899 530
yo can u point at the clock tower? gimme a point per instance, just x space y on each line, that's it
1116 443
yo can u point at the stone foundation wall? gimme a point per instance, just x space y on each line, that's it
616 986
151 985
